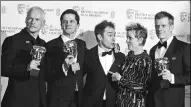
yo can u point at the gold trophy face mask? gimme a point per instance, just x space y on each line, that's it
161 64
70 47
38 52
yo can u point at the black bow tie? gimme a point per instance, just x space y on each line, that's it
105 53
162 44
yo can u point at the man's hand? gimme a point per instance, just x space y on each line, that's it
116 48
70 60
33 68
33 65
75 67
116 76
166 75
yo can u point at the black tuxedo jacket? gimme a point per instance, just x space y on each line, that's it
97 81
178 54
22 90
61 87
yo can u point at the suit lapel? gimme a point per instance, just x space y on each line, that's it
152 53
115 62
171 47
78 50
96 60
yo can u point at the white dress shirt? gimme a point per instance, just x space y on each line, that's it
106 62
160 52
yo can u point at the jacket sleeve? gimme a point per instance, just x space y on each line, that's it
184 78
13 65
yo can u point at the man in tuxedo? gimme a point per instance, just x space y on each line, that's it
65 57
167 89
26 86
99 63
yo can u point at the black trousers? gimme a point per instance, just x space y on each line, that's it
76 98
104 103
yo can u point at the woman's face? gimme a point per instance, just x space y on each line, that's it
132 41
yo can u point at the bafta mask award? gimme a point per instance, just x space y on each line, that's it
161 64
70 47
38 52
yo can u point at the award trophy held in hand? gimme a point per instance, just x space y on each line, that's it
160 65
70 48
37 53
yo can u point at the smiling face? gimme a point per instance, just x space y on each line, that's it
69 24
107 39
35 21
163 28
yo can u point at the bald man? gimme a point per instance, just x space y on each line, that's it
26 86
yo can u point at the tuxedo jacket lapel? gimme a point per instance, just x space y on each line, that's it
96 60
79 55
171 47
115 63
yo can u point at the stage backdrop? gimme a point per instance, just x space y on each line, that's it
13 14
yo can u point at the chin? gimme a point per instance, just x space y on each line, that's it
33 30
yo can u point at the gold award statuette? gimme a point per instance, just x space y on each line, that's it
161 64
70 47
38 52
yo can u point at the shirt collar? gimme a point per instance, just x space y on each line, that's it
65 38
100 50
169 40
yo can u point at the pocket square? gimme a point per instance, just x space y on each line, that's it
173 58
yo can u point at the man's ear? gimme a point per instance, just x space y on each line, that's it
99 36
43 23
26 20
171 27
78 26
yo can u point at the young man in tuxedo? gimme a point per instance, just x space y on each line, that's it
64 70
100 61
26 86
167 89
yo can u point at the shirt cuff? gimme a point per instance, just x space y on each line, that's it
172 79
64 70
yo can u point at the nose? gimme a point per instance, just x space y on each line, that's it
127 41
33 21
160 28
113 39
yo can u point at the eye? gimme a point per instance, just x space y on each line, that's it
37 19
64 22
72 21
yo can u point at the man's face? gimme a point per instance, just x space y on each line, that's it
107 40
69 24
132 41
163 28
34 21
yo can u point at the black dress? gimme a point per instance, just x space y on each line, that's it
135 72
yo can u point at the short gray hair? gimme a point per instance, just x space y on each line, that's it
36 8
